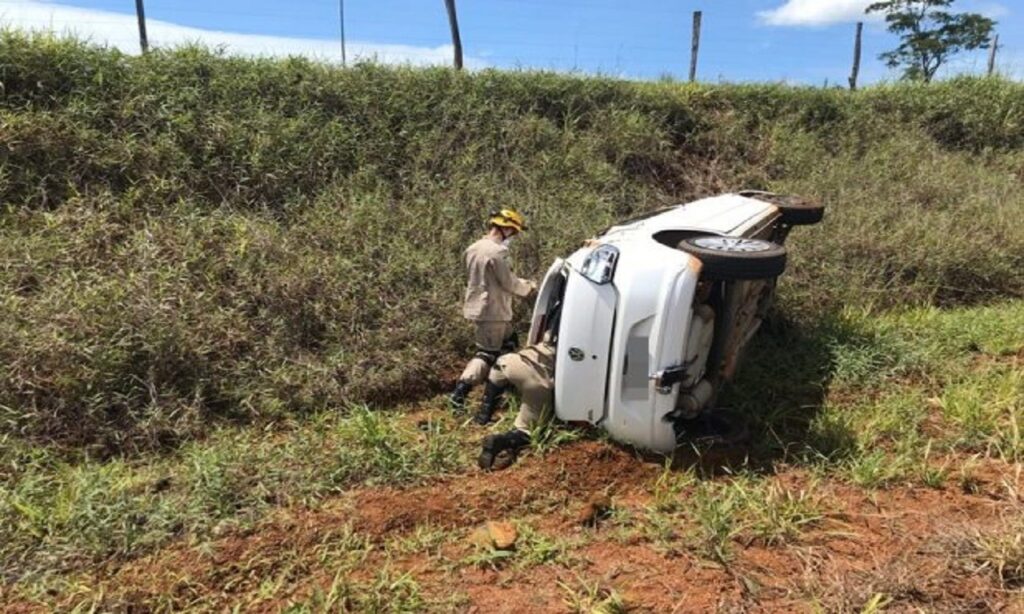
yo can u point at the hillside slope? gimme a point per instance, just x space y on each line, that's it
188 238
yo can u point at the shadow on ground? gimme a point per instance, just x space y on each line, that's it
779 391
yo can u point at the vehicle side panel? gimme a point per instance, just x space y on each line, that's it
650 335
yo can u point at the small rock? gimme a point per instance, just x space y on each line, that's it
594 510
503 534
495 535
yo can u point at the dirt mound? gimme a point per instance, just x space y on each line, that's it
570 474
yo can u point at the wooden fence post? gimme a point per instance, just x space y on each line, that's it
695 45
453 21
140 12
341 26
992 56
856 56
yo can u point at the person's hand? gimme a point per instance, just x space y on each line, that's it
592 242
533 289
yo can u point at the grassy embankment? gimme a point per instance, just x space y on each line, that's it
191 243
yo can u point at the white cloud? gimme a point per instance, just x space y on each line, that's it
828 12
120 30
815 12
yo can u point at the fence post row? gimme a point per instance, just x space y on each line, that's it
453 22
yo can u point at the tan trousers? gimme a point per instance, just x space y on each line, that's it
488 337
533 382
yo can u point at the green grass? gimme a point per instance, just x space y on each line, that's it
866 389
708 516
79 513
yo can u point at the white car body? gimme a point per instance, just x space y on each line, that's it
616 340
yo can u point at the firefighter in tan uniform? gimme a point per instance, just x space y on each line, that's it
531 371
488 302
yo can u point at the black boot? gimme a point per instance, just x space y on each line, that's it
494 445
492 398
457 400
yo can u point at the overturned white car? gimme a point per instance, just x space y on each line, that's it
650 317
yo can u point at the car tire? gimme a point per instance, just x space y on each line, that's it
796 211
736 258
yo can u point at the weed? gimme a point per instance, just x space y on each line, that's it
933 476
875 469
549 433
877 604
776 514
584 597
714 511
1001 551
387 592
532 548
667 495
988 410
425 539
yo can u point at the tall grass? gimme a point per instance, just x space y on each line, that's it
187 238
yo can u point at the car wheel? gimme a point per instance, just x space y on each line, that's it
734 258
796 211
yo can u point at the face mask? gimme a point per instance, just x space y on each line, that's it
508 240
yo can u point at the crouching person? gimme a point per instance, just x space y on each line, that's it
531 371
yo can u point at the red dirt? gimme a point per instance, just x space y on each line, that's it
900 543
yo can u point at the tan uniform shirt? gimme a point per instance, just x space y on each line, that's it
491 283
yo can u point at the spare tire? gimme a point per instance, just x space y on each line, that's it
734 258
796 211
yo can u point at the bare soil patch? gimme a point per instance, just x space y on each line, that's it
895 545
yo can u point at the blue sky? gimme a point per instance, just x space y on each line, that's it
803 41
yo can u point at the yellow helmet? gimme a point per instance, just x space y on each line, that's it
509 218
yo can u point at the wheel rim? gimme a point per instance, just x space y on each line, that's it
732 244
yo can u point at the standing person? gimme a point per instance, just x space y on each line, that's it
488 301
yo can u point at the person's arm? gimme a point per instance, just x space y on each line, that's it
507 280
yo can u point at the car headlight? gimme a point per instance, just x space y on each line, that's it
600 264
